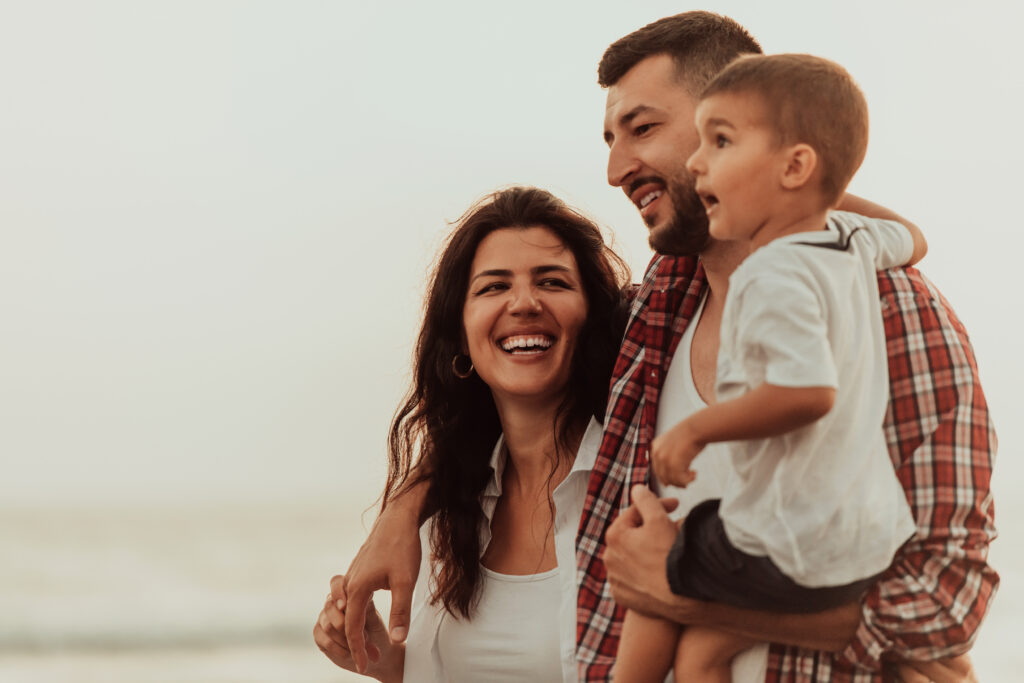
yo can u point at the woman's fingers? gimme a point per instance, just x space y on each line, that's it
332 620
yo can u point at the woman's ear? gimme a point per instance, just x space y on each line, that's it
800 163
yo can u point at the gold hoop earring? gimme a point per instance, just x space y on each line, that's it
462 374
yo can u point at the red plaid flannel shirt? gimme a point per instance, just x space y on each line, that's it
930 602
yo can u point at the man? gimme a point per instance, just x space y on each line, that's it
928 606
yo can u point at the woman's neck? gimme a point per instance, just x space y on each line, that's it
535 463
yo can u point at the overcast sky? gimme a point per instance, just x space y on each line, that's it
216 217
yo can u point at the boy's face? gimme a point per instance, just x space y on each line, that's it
737 165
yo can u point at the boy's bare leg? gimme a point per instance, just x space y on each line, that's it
705 654
646 649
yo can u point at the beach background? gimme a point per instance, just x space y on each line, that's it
216 219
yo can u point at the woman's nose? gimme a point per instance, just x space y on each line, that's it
524 301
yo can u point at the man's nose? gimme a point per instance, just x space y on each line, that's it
621 164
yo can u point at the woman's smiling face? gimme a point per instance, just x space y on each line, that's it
523 312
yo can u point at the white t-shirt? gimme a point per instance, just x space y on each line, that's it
822 501
501 644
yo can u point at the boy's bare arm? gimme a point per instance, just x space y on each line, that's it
768 410
864 207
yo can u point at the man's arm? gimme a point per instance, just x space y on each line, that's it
389 559
638 545
388 659
929 604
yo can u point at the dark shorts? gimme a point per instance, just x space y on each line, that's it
703 564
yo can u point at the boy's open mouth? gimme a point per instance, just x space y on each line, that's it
709 201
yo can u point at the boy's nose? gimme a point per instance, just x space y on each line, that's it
695 164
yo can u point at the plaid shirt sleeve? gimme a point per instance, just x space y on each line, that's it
931 601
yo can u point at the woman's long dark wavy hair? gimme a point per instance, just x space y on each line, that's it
446 428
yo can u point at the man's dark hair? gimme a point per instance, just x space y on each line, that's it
701 43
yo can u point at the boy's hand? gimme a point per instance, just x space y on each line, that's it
672 453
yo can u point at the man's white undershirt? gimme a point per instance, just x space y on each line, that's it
679 399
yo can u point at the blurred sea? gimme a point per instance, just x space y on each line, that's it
134 594
229 594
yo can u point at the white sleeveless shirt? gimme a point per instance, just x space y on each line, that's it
513 636
678 400
524 627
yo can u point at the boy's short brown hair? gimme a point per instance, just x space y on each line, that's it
810 100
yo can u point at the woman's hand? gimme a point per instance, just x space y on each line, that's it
386 660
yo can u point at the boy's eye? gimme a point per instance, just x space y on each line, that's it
721 140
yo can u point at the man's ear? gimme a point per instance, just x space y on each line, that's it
800 162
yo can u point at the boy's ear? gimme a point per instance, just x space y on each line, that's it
800 162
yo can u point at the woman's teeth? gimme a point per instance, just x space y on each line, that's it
521 343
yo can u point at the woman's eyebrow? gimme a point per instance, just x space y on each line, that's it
537 270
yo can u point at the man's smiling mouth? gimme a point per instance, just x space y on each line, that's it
648 198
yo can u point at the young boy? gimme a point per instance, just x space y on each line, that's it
813 511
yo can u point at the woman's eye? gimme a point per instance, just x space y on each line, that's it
491 287
555 282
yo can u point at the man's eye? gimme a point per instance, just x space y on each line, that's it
643 128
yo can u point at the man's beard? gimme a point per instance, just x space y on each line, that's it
686 234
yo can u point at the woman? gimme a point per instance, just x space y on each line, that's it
522 325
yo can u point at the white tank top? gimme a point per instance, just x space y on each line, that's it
679 399
513 637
